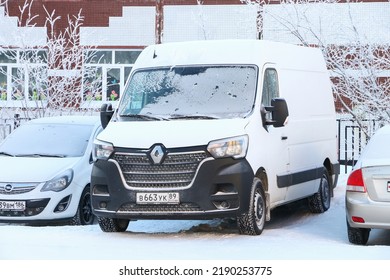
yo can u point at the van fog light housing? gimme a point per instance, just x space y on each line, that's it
235 147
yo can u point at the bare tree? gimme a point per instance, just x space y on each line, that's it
357 65
50 77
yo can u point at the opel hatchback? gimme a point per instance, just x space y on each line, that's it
368 189
45 170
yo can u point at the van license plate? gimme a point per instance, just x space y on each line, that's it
12 205
158 198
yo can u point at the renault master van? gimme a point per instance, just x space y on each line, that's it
215 129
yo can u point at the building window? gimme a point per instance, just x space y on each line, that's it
93 83
18 79
114 67
3 83
126 57
113 83
99 57
24 74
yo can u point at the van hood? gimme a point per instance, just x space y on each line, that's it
33 170
172 134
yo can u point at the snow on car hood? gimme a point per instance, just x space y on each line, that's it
33 170
175 133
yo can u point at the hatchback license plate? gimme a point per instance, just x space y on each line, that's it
12 205
158 198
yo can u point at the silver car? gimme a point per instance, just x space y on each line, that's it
368 189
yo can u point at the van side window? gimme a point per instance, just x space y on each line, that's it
270 91
270 87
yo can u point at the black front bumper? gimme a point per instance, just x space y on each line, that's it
220 188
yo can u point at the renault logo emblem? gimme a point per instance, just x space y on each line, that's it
157 154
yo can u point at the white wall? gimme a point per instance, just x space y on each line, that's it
12 35
136 27
201 22
334 22
181 23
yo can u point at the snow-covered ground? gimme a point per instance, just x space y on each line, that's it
292 234
295 244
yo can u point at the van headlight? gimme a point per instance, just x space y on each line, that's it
235 147
102 150
59 183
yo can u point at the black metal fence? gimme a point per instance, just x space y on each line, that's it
352 138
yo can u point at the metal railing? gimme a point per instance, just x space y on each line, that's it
352 138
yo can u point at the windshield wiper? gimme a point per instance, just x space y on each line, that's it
194 117
41 155
6 154
145 117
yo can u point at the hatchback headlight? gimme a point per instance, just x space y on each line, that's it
235 147
102 150
59 183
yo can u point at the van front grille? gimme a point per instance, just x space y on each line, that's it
161 209
176 171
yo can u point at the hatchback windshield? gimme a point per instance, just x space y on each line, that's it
196 91
49 140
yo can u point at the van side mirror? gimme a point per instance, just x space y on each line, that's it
106 113
279 112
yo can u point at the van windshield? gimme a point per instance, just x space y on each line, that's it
190 92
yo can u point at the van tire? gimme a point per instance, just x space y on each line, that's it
320 201
112 224
252 222
84 215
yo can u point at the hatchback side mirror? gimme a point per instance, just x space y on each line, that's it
106 113
279 112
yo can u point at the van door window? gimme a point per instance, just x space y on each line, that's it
270 91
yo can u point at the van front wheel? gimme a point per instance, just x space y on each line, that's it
252 222
112 224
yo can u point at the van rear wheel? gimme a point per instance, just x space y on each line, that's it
320 201
252 222
112 224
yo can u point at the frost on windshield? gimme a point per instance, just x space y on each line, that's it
213 91
47 140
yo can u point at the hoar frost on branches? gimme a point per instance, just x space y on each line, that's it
359 66
55 69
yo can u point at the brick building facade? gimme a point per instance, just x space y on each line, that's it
120 29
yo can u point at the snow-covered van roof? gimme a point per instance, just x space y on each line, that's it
256 52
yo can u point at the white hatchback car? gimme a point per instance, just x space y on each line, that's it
45 170
368 189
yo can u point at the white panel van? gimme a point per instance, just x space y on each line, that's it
214 129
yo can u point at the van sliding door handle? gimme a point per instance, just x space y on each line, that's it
284 137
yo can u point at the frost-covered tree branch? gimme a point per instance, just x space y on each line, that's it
50 78
358 66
